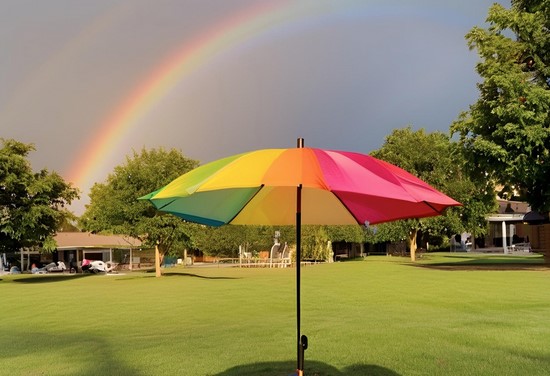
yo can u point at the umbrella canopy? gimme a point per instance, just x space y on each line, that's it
259 188
295 186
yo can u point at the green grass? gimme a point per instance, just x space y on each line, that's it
381 316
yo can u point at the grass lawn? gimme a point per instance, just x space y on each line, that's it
450 314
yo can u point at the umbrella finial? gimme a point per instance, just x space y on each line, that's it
300 143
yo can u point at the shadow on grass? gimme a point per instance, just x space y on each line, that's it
125 277
509 267
312 368
482 262
537 355
151 272
172 274
59 353
48 278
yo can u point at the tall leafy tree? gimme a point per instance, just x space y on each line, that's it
32 204
114 206
435 159
506 133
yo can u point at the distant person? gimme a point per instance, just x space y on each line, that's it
36 270
72 264
86 264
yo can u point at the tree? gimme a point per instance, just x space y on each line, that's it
506 133
114 206
346 233
32 205
225 241
316 244
435 159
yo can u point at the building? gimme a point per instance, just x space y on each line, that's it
516 227
73 247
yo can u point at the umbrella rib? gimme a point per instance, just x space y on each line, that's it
165 205
348 209
245 204
432 207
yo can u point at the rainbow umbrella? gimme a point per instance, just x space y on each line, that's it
298 186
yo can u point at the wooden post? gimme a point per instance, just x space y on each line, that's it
158 272
412 243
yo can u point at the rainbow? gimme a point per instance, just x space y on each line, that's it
236 30
230 33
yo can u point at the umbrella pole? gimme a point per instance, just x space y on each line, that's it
301 340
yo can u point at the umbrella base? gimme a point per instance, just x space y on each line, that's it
302 347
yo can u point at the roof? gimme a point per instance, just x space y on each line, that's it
512 217
507 207
76 240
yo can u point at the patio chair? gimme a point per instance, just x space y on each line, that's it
286 257
275 254
52 267
523 247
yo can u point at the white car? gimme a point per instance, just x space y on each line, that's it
101 267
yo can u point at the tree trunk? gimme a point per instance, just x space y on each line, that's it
412 244
158 272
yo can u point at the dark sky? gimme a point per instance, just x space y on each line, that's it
89 81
